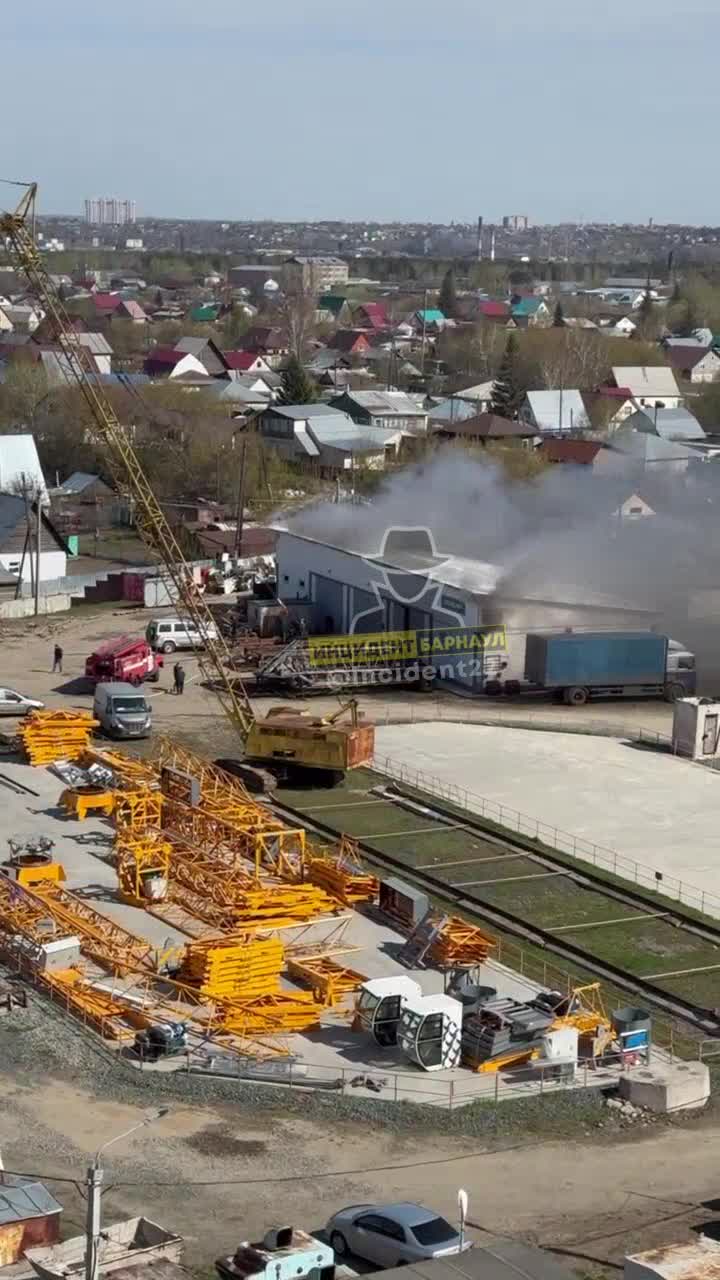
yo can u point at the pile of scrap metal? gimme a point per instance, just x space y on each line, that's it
48 736
447 942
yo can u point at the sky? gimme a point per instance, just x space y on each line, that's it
412 110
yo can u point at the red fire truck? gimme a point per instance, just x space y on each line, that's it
124 658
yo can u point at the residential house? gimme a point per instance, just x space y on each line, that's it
351 342
669 424
530 313
392 409
428 320
207 352
494 312
323 438
555 411
480 394
257 280
617 327
317 271
29 1216
485 427
649 384
98 348
333 308
20 467
634 507
246 362
14 542
24 317
451 410
131 310
205 313
6 324
327 358
693 362
83 501
608 407
371 315
167 362
106 303
646 449
593 454
267 341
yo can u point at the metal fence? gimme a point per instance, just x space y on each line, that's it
608 860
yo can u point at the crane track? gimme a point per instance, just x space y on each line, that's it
703 1019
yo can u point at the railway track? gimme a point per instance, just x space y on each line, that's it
472 897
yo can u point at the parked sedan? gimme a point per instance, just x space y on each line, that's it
392 1234
13 703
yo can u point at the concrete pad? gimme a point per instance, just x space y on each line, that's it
667 1086
653 809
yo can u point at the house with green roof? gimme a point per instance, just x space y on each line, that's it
206 312
333 308
529 313
429 318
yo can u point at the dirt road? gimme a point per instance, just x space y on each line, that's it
217 1174
27 660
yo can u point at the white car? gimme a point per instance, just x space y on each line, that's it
13 703
169 634
391 1235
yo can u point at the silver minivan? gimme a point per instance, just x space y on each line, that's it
122 710
169 634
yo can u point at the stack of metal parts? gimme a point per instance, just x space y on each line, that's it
280 1014
329 981
234 968
48 736
343 875
502 1032
448 942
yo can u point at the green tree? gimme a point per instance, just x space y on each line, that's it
448 294
505 392
558 317
297 387
647 321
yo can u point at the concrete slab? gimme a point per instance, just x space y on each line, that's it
654 809
668 1086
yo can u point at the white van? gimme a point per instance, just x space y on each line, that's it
169 634
123 711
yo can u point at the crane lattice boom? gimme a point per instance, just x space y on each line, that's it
125 467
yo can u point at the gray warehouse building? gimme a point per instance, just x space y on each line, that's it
407 586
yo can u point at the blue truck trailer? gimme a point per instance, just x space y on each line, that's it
612 664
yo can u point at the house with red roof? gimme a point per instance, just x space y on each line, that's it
371 315
594 454
495 312
351 342
246 362
694 363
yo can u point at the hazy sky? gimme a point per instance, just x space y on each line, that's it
409 109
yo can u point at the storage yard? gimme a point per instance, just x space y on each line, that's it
193 927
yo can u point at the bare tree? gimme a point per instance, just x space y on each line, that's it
298 310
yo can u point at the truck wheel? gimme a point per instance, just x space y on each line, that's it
136 681
673 690
168 647
577 695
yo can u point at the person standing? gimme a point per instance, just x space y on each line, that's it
57 659
179 674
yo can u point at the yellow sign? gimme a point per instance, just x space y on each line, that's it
404 646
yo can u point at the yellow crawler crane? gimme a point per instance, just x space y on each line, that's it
282 742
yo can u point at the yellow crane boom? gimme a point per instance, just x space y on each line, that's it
126 470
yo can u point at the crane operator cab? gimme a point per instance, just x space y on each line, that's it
380 1006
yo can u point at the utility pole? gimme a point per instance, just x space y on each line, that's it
424 332
93 1182
38 539
240 499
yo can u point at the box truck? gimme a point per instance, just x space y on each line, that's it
612 664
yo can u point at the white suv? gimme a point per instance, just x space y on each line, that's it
169 634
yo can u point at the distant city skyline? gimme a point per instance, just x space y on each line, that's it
406 111
109 210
